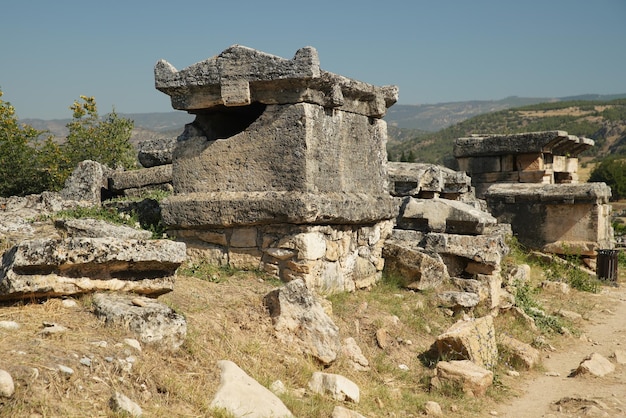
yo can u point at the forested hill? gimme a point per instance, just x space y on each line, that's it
602 121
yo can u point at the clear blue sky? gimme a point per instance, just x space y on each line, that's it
435 51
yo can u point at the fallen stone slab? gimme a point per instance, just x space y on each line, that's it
299 319
473 339
154 322
417 268
459 300
243 396
444 215
95 228
484 249
59 267
156 151
596 365
145 177
470 377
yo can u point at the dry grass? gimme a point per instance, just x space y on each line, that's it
226 320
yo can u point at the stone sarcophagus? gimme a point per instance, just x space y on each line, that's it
283 168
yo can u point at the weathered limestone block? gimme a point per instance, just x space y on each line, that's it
156 151
443 215
555 216
553 142
521 354
242 396
411 179
278 180
154 322
86 182
338 387
459 300
299 319
240 76
472 378
483 249
417 268
54 267
94 228
122 180
473 339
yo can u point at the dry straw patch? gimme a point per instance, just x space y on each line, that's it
226 320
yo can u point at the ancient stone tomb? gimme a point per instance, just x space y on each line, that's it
530 181
283 168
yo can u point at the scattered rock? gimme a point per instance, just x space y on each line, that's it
557 287
354 355
50 328
67 371
472 339
69 303
153 323
9 325
471 378
243 396
595 365
131 342
121 403
522 354
433 409
7 387
456 300
298 317
337 386
382 338
278 387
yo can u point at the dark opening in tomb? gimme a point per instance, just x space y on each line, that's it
224 122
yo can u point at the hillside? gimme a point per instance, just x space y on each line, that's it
602 121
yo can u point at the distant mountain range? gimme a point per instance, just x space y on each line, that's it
405 121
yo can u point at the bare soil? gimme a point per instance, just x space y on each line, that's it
553 391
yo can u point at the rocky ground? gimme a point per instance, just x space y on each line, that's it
67 363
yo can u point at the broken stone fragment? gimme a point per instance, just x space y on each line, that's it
95 228
417 268
154 322
521 354
473 339
299 318
470 377
596 365
243 396
338 387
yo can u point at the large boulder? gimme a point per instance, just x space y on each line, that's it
299 319
473 339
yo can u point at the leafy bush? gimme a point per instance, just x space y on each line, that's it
31 162
612 172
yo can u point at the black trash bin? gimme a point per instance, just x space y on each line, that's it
607 265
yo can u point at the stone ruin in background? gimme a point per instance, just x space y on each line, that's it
530 181
444 239
283 168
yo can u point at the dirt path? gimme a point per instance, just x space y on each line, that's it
580 396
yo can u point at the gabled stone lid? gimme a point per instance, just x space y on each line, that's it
553 142
240 76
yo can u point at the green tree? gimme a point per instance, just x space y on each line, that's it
612 172
106 141
18 154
